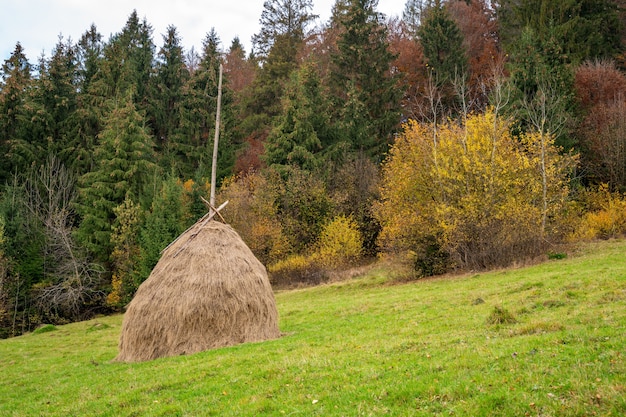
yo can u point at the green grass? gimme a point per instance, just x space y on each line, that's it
364 347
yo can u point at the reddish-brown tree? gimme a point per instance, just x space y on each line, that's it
601 93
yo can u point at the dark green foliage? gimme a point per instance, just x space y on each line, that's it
78 149
442 45
583 29
284 19
128 63
165 221
15 86
365 92
283 28
303 132
431 259
166 95
304 207
192 149
124 164
542 82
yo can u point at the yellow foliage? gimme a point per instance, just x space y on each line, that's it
340 242
115 296
606 217
253 213
483 195
295 269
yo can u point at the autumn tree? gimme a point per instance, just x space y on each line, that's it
601 93
471 196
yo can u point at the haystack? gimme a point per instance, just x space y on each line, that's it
208 290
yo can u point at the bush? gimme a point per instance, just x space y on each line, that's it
471 196
296 269
605 217
340 243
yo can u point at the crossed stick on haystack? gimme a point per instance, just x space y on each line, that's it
204 220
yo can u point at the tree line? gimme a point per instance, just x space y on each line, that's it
464 134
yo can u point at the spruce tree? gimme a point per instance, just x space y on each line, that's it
14 90
303 132
124 163
166 95
362 77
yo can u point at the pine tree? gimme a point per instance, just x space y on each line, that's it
124 162
362 77
280 19
166 96
14 90
128 63
442 44
284 24
583 29
81 144
303 132
164 222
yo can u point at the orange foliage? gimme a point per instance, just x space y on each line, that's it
410 64
477 23
599 82
601 90
250 158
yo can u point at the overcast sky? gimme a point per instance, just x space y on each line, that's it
37 24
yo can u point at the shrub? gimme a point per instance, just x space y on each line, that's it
296 269
253 212
340 243
471 196
606 215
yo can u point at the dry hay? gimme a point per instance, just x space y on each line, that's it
208 290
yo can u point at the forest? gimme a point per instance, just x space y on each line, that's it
462 135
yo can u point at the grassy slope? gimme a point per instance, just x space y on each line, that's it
364 348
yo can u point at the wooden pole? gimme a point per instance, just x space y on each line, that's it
216 140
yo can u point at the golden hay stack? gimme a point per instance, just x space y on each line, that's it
208 290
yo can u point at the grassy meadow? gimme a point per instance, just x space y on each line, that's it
545 340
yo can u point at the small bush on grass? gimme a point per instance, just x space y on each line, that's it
500 315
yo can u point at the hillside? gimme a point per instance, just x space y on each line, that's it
367 346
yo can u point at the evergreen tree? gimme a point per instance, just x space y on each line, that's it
283 28
413 13
362 77
164 222
128 63
79 149
583 29
167 95
540 76
303 132
442 44
123 164
280 19
14 90
194 149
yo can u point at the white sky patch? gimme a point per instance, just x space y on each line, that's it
37 24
